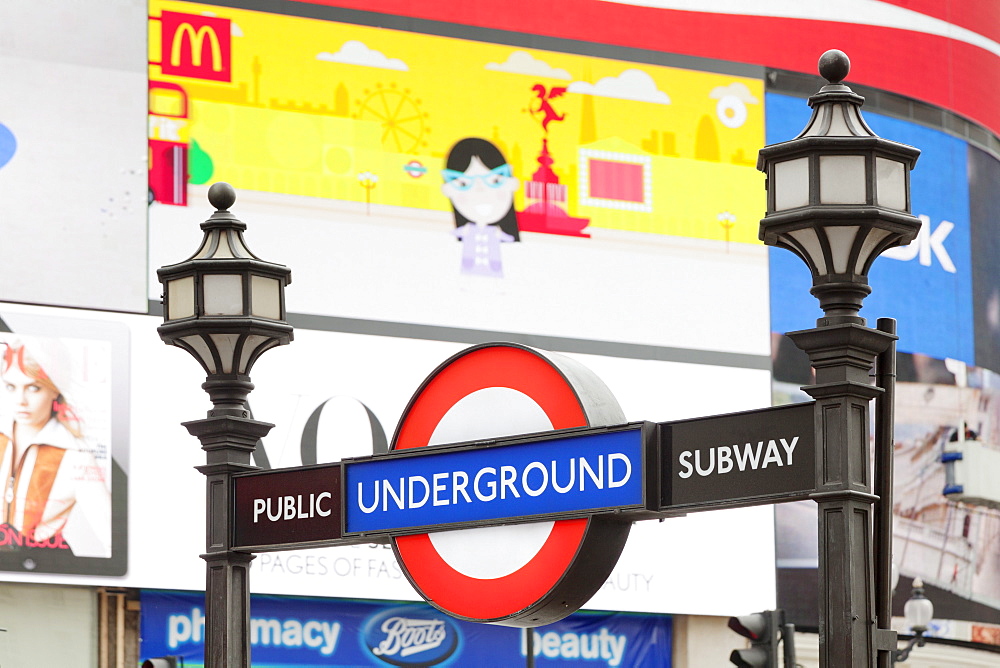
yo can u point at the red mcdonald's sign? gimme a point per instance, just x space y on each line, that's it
195 46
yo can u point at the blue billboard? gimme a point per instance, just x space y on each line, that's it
290 632
926 286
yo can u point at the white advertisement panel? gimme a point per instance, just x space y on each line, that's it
630 287
73 177
361 384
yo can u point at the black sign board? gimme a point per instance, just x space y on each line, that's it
739 459
288 508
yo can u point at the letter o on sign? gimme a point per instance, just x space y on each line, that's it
520 575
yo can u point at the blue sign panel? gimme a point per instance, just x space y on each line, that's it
926 286
304 632
571 475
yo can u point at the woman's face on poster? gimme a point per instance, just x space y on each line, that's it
30 402
482 195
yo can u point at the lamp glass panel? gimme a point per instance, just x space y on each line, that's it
180 298
890 184
204 353
791 184
838 124
841 239
226 345
842 179
250 345
809 241
238 246
265 297
918 612
874 238
206 245
223 294
222 249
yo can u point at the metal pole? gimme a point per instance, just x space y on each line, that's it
788 644
842 355
885 377
229 442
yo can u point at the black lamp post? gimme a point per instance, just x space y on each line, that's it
918 611
225 306
837 196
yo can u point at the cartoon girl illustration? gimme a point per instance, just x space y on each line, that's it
55 494
479 183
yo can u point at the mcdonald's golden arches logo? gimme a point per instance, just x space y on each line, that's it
195 46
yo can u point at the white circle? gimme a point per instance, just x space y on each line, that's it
731 110
490 552
491 412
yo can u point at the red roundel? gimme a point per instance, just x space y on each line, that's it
519 575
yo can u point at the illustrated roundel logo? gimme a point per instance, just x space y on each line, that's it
516 575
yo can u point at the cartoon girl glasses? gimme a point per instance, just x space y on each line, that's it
462 181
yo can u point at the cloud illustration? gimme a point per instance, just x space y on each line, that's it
736 89
522 62
629 85
354 52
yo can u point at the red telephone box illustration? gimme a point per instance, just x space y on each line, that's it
169 141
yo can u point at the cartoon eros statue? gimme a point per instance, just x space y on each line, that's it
479 183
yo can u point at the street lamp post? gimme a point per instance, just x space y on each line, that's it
837 196
225 306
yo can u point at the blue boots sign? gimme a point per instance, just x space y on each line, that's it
300 632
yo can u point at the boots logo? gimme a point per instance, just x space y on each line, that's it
408 636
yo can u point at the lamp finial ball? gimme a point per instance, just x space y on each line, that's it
221 195
834 65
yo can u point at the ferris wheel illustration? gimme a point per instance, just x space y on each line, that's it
404 123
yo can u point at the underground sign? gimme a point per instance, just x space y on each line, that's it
523 574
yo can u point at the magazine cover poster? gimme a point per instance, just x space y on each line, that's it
63 499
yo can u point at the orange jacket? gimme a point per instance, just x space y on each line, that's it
56 494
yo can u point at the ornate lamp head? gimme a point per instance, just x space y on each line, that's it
838 195
225 305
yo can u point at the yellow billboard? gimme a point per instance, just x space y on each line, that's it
316 108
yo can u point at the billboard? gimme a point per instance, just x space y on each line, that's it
300 632
462 184
73 192
949 544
